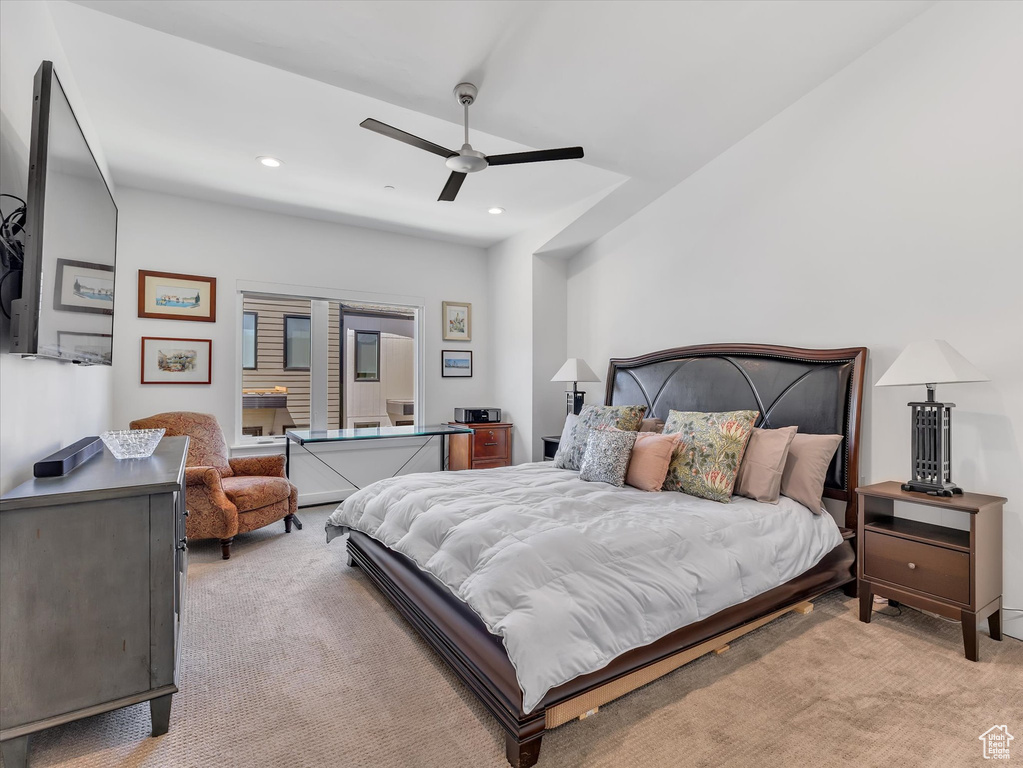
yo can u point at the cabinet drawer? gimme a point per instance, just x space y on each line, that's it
489 463
490 444
923 567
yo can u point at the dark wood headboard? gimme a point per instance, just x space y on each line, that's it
818 390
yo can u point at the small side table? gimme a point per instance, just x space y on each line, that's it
550 446
951 572
488 445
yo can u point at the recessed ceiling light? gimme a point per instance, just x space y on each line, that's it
388 188
270 162
495 210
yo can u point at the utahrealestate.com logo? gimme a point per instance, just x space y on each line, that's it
996 742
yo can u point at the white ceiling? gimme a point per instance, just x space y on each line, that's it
188 93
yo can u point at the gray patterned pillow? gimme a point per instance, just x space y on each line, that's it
573 440
607 456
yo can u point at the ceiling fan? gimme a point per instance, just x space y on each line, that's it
467 160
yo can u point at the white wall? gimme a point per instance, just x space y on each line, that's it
530 325
883 207
44 404
511 273
174 234
550 328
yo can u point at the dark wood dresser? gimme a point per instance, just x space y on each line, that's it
489 446
92 577
948 571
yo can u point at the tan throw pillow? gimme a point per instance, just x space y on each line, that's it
651 456
709 451
652 425
806 467
762 465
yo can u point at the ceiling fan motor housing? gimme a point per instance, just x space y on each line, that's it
468 160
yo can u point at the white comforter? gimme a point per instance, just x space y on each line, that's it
572 574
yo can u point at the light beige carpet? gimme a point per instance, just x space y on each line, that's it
293 659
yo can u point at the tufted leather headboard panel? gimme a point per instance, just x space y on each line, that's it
818 390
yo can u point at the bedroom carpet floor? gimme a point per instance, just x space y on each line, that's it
293 659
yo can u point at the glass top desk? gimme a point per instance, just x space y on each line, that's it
306 437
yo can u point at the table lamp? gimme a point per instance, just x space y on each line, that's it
575 370
930 363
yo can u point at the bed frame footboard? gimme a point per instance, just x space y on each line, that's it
479 659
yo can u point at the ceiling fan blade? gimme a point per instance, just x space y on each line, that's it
451 188
396 133
540 156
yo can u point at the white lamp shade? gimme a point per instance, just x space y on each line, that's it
575 369
930 362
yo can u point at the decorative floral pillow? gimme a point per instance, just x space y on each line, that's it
709 450
624 417
607 456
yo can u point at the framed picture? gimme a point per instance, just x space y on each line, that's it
96 348
83 286
455 363
176 361
457 318
169 296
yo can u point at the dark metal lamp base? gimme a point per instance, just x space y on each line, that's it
934 489
574 401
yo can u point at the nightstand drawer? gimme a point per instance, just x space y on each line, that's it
922 567
490 444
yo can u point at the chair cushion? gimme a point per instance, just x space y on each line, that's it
254 492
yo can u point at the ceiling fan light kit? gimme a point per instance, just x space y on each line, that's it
468 160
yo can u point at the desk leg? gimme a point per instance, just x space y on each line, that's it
442 440
287 473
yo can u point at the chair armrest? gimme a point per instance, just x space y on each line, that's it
207 476
259 466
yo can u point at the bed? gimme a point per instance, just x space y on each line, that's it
473 619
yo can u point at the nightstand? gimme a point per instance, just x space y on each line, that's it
950 572
550 447
487 447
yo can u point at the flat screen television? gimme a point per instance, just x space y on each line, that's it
66 309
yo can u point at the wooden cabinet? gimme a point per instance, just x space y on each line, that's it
953 572
488 446
92 576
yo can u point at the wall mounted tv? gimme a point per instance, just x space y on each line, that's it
66 309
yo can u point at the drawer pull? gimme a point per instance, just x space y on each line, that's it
489 444
912 566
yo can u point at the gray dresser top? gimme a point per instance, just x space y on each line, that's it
104 477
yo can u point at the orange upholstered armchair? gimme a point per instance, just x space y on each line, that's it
226 496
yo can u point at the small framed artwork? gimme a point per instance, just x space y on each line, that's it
457 318
169 296
94 348
455 363
176 361
84 286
